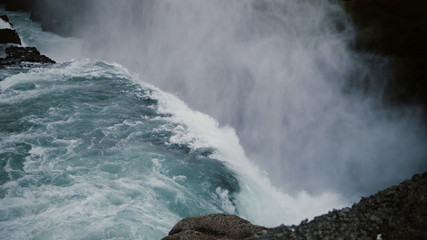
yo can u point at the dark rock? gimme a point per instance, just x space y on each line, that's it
390 27
396 29
190 235
399 212
9 36
18 5
213 226
5 18
18 55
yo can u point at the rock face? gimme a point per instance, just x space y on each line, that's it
213 226
396 29
9 36
18 55
399 212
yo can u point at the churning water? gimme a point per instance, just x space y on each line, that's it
90 150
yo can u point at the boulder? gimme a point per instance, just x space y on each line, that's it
9 36
213 226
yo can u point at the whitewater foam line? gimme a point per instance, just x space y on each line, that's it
258 200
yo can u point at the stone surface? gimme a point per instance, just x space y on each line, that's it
18 55
9 36
213 226
399 212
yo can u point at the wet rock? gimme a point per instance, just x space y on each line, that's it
9 36
399 212
18 55
213 226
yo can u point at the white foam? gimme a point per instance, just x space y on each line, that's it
4 24
257 200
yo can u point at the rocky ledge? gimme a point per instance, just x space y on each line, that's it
12 53
9 36
22 55
399 212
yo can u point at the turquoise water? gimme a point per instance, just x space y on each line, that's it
86 155
90 150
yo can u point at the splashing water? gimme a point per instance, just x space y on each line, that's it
90 151
279 72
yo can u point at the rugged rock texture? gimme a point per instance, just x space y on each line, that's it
213 226
397 213
9 36
397 29
18 55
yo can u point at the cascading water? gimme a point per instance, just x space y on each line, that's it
281 73
91 151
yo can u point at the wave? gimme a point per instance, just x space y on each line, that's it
90 151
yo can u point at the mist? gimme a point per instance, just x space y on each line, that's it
307 108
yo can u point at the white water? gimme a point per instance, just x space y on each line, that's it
274 71
281 73
258 200
4 24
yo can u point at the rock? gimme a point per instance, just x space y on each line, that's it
5 18
213 226
9 36
399 212
12 55
390 27
190 235
18 55
396 29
